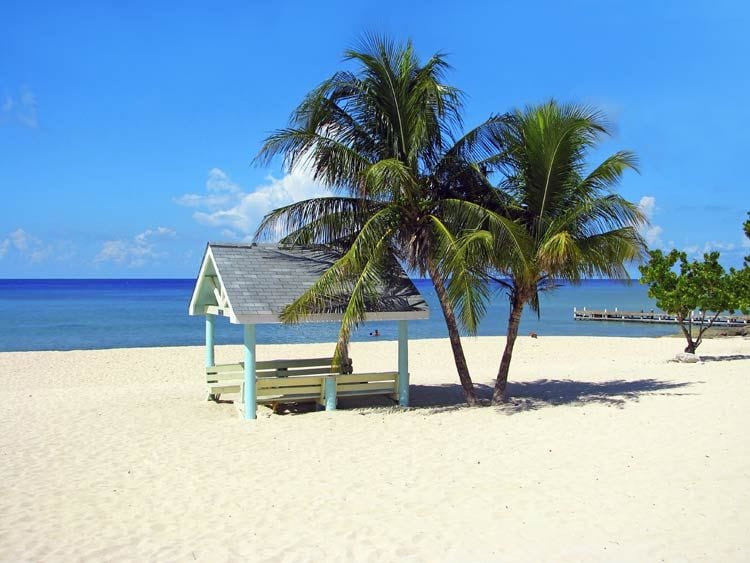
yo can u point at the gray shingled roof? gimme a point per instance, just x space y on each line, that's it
260 280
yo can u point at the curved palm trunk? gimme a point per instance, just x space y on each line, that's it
500 394
342 359
454 336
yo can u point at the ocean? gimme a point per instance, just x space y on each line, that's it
90 314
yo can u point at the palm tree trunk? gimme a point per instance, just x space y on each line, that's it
500 393
453 335
342 355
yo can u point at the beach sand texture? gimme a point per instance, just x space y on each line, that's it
607 453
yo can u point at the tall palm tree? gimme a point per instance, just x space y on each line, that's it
552 217
380 138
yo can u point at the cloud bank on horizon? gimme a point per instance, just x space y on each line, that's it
138 251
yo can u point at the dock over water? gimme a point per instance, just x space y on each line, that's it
654 317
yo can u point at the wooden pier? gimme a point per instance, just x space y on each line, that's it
653 317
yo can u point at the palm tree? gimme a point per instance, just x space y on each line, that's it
379 138
550 219
746 227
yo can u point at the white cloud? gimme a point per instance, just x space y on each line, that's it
137 251
719 245
710 246
20 109
647 205
151 233
221 192
32 248
226 205
20 239
651 233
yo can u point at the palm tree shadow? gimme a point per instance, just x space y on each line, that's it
524 396
731 358
534 395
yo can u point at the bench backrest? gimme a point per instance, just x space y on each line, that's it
367 383
272 369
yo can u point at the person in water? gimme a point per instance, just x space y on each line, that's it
376 333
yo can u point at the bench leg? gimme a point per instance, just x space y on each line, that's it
330 393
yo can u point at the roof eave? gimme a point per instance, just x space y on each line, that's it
249 319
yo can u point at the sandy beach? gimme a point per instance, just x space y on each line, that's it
608 452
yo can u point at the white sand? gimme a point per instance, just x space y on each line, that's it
609 453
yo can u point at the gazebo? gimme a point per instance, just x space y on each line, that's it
250 284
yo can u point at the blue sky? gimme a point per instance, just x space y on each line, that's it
127 130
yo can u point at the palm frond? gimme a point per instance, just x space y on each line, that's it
388 180
462 266
512 243
608 173
332 162
322 219
334 287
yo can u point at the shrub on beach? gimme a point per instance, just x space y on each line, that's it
681 287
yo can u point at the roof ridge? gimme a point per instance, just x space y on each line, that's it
235 244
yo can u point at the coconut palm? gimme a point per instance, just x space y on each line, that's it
552 217
380 139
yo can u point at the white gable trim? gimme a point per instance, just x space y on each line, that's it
223 306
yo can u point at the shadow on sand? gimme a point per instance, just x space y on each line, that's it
731 358
524 396
542 393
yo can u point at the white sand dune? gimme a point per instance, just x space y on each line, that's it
607 453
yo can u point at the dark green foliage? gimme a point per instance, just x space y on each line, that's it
382 136
699 288
553 217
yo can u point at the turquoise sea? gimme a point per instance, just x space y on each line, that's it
86 314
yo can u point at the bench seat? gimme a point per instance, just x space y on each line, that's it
363 384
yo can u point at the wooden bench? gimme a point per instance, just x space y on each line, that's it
355 384
304 380
278 377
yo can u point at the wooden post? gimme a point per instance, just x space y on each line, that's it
250 391
210 333
403 363
330 391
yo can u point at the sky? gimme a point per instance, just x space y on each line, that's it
128 129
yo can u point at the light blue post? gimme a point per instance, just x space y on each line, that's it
330 390
250 397
210 332
403 363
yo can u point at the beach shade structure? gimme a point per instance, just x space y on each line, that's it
251 284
